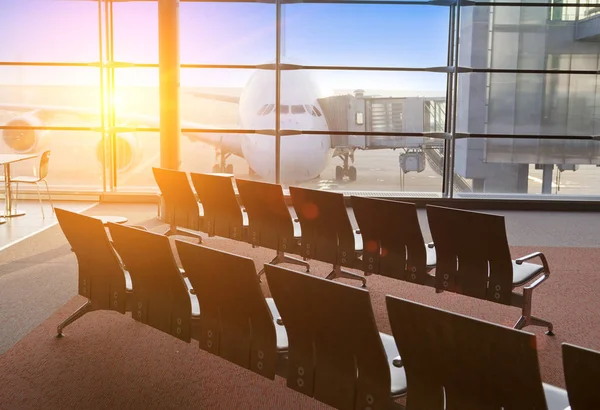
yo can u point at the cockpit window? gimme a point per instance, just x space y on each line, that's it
269 109
266 109
298 109
262 109
317 111
285 109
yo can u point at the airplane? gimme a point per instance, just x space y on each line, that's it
302 157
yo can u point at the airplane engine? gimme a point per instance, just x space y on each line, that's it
25 141
129 151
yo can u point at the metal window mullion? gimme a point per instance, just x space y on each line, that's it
278 92
452 141
113 135
449 78
102 100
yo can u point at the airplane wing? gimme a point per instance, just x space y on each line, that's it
218 97
225 141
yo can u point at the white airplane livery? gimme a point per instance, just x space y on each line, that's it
302 156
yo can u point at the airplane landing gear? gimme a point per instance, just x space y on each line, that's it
222 166
345 154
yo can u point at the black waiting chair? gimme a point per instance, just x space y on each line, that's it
163 297
270 224
582 376
182 211
393 243
457 362
223 215
336 353
473 259
102 278
237 322
327 233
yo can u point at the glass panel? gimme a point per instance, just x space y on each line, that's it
229 99
416 168
41 30
210 98
75 163
386 101
135 31
511 166
255 159
137 153
227 33
46 97
537 104
503 37
365 35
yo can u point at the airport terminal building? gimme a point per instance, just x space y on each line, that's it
553 92
514 111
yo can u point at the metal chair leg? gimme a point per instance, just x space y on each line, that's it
281 257
16 197
338 272
527 319
37 187
85 308
49 197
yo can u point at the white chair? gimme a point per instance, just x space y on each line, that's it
42 172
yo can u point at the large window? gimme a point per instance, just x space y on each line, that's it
392 99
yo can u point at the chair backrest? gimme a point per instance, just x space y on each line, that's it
235 322
327 233
269 220
473 256
582 376
393 243
181 206
469 363
160 297
101 275
222 212
44 162
335 352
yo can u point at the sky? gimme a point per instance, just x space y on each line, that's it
234 33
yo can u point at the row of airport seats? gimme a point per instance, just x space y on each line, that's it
388 241
437 359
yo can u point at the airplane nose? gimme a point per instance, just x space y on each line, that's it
289 124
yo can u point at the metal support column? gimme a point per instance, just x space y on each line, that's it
547 178
168 68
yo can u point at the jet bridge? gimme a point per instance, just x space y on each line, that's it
362 113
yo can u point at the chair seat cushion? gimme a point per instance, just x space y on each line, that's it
25 179
358 241
297 229
525 272
128 283
431 257
556 398
282 339
398 376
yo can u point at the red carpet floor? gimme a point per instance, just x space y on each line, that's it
108 361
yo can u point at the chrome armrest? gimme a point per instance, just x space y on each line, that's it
143 228
537 282
542 257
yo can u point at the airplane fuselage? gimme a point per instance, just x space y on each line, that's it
302 157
